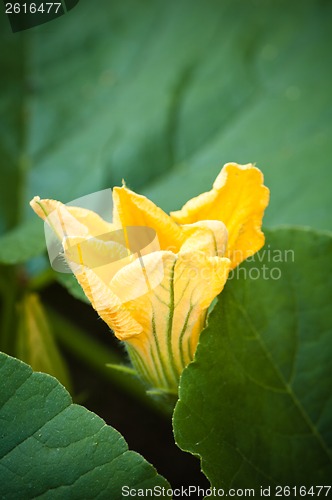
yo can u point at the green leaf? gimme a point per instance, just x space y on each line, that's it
162 94
254 95
73 117
256 404
35 343
51 448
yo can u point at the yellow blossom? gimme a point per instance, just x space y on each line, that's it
155 293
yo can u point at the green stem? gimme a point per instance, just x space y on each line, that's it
23 163
8 319
45 278
3 281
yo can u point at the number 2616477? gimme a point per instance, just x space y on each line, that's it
32 8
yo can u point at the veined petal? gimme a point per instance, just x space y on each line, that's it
238 198
198 280
209 236
148 350
172 314
131 209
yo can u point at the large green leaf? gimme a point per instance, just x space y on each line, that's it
256 404
88 98
51 448
168 92
259 91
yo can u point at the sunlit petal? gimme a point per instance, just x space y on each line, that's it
131 209
238 199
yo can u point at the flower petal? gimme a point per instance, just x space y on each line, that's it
89 259
131 209
105 258
209 236
172 314
107 304
73 221
148 350
238 199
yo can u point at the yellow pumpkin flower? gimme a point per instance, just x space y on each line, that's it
151 276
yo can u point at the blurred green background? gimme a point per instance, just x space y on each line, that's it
161 94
